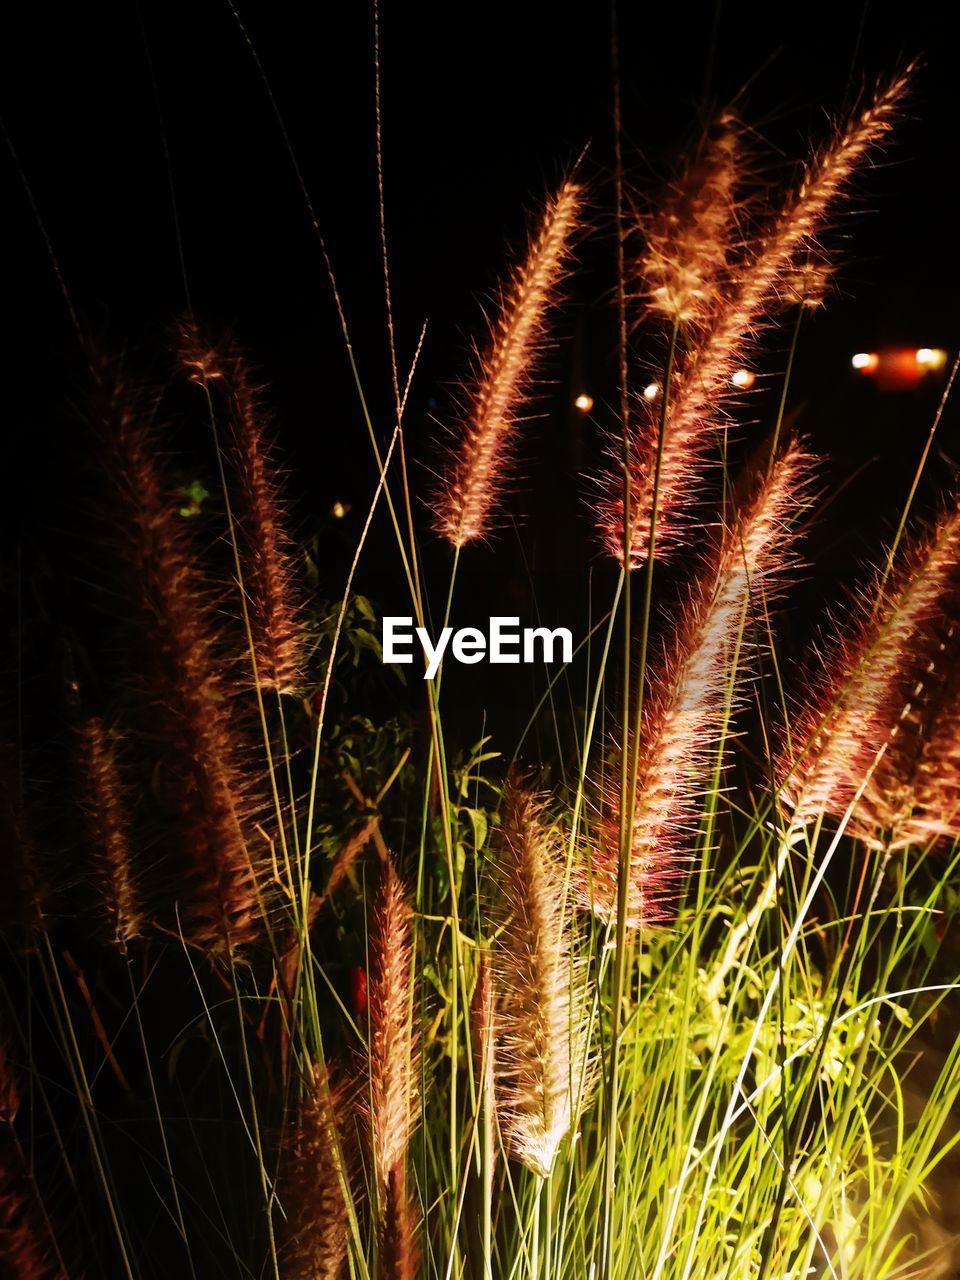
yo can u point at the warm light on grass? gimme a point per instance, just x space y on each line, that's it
648 1009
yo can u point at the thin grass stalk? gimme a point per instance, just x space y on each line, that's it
483 1020
728 1116
78 1074
628 783
921 467
623 387
267 1185
251 1130
843 977
161 1128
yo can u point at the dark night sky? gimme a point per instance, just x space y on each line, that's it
484 104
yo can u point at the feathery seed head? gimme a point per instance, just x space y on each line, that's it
269 570
477 466
689 240
684 708
884 714
392 1046
209 792
315 1216
808 285
540 1036
761 280
105 805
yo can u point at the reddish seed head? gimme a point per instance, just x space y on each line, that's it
474 477
315 1180
269 567
540 1054
684 706
761 280
392 1047
199 742
885 716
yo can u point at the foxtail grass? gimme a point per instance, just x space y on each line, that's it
474 478
666 459
655 1017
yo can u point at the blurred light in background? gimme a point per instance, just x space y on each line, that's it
339 510
931 357
899 368
744 378
584 402
651 391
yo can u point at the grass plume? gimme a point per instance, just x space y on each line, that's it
885 704
691 236
269 564
476 470
540 1038
208 792
665 472
393 1073
105 805
316 1232
684 710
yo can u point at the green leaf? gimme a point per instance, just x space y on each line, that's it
364 606
478 821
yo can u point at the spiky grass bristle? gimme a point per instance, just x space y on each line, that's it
199 738
881 720
687 700
669 446
540 1030
475 474
275 608
315 1184
106 808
